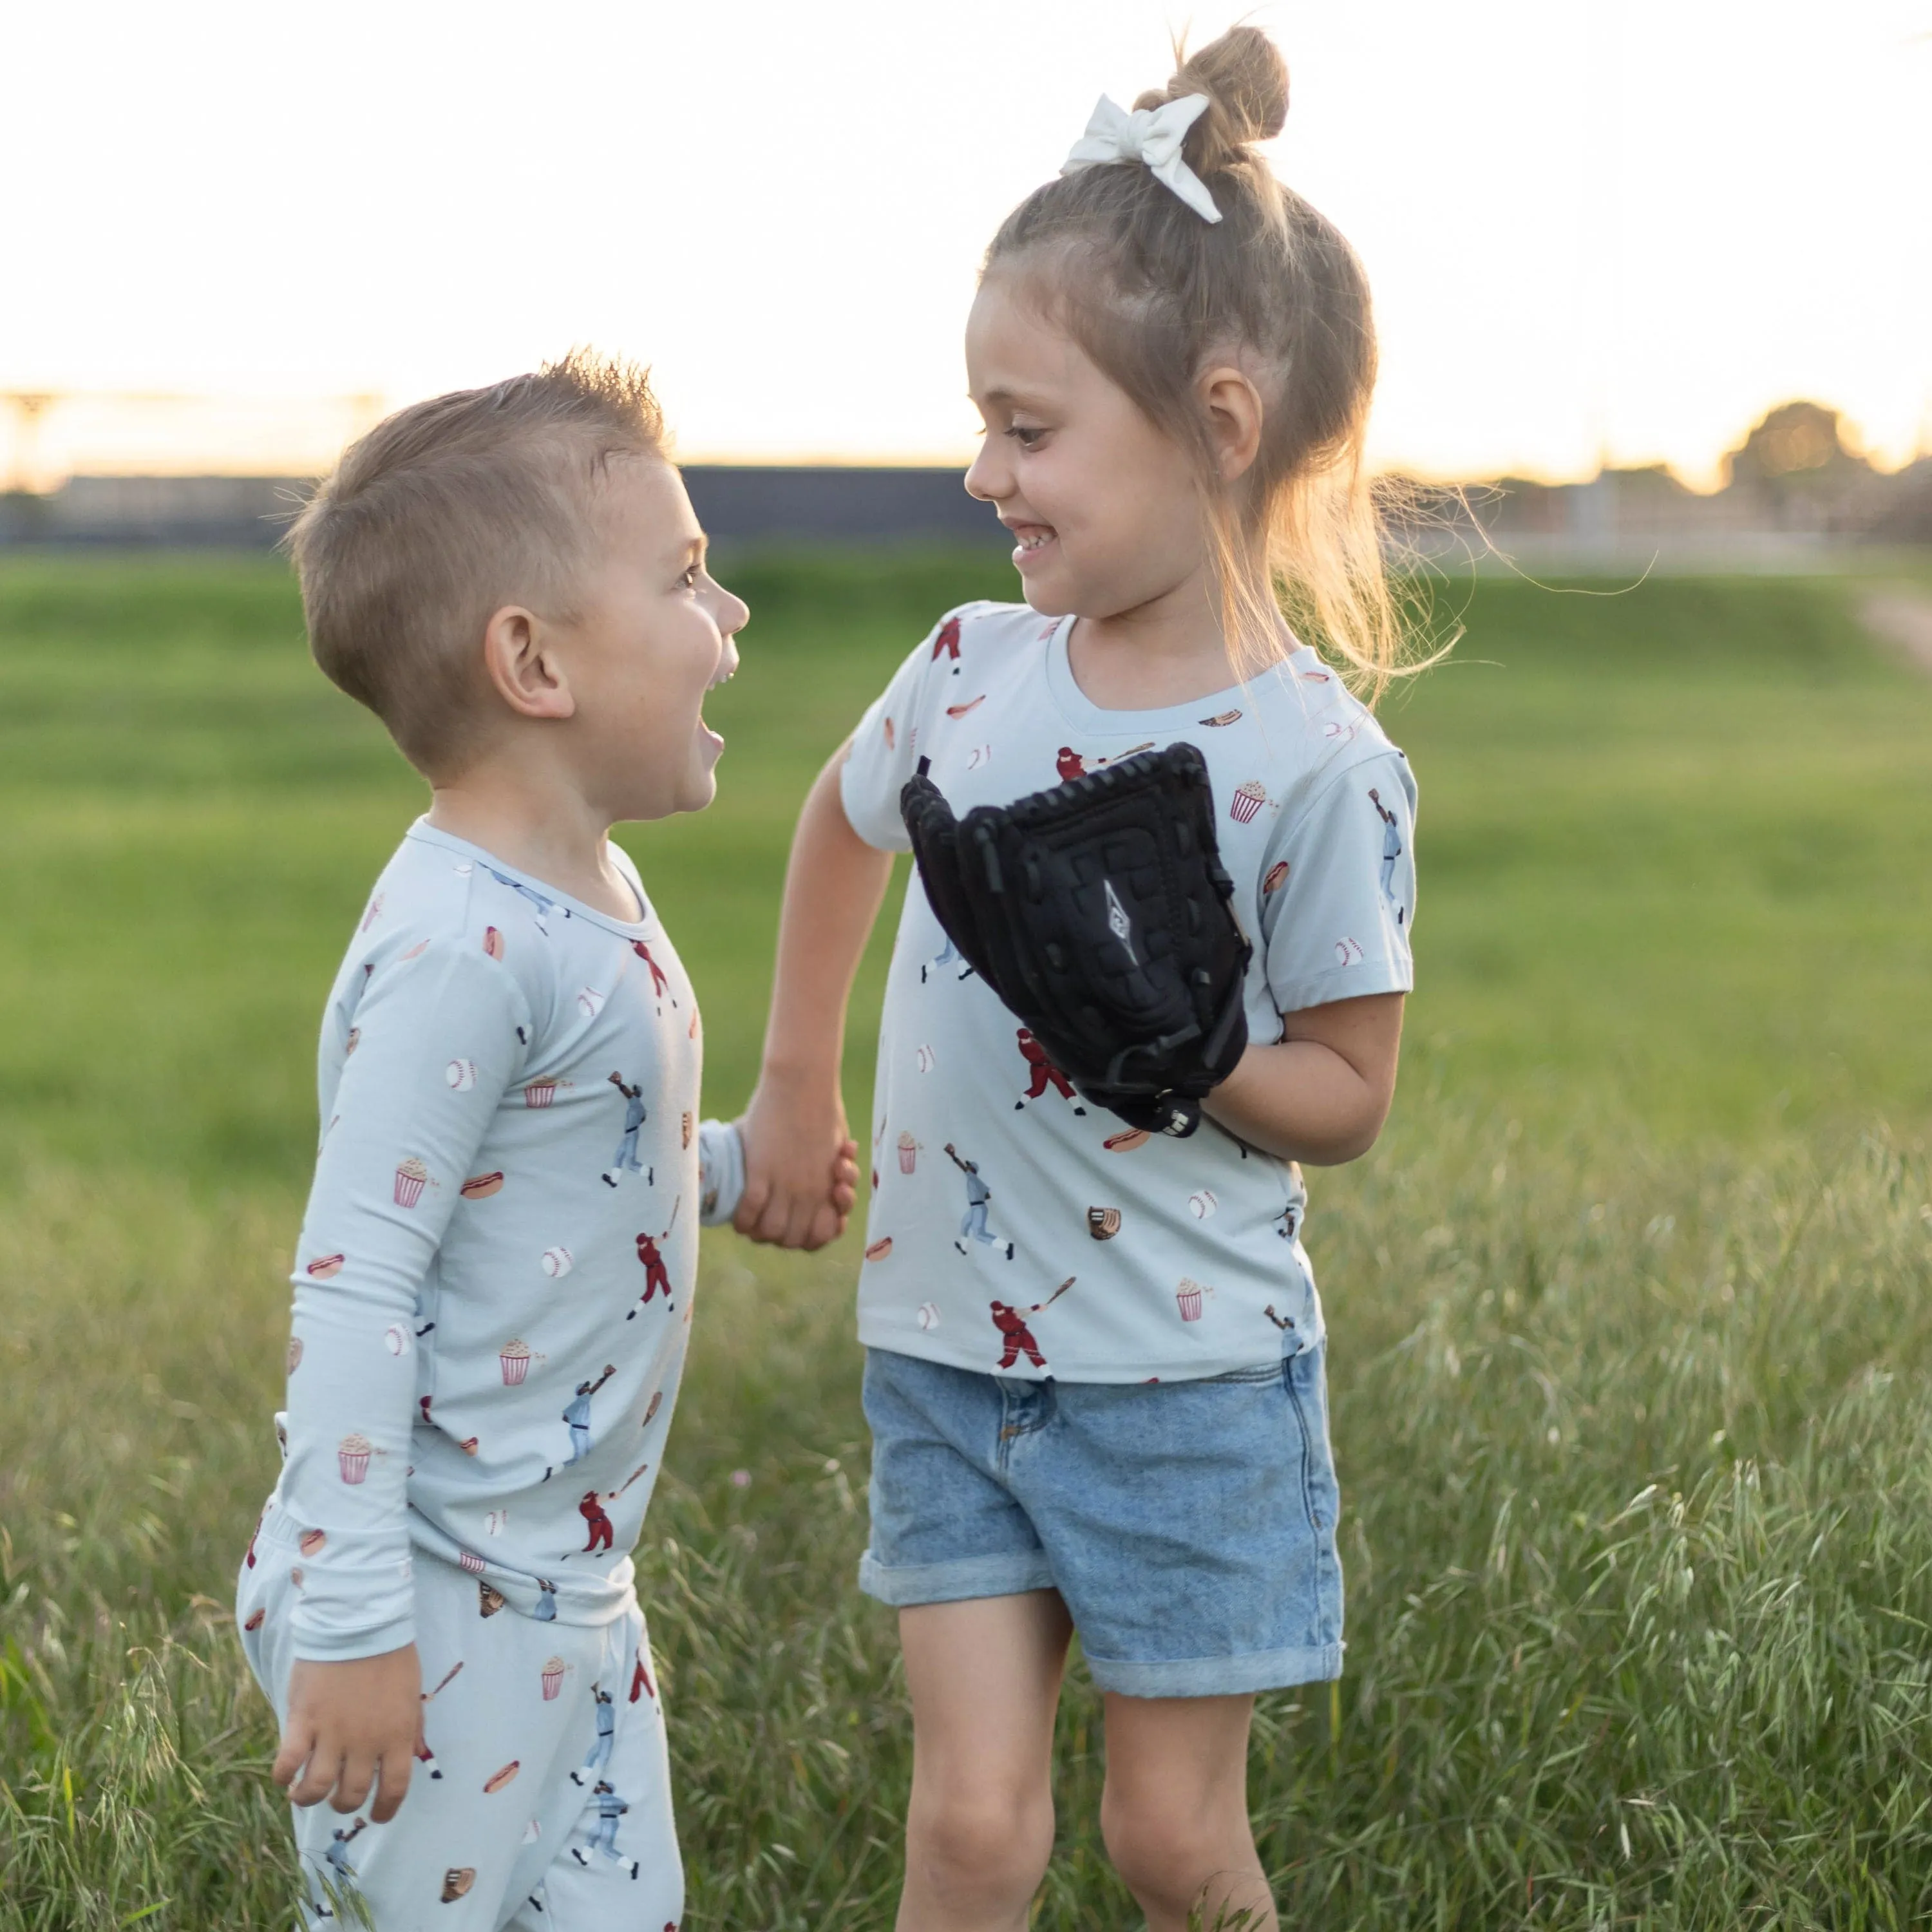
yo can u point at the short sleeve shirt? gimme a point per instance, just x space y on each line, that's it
1013 1228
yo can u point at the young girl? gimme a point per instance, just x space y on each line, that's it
1094 1372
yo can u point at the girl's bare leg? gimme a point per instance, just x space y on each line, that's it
985 1679
1175 1812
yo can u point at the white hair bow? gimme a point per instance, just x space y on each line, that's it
1151 135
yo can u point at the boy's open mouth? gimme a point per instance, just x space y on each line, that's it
728 669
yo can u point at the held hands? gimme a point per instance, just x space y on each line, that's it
801 1163
350 1725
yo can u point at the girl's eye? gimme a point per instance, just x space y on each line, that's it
1025 435
690 578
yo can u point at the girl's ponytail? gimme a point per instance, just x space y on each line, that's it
1152 293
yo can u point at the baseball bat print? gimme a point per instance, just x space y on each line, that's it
449 1676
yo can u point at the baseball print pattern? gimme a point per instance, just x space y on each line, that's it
994 1179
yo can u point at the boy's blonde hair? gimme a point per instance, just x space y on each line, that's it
444 513
1153 294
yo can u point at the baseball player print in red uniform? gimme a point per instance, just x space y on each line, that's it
1012 1324
656 1275
641 1680
591 1510
1070 764
1044 1072
660 986
946 644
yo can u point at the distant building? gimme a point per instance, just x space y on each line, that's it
1793 488
735 503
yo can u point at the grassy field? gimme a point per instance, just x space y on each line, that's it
1630 1312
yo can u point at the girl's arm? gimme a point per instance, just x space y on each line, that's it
799 1180
1322 1094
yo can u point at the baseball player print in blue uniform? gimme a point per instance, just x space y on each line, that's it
1391 852
577 1415
603 1838
544 907
973 1223
947 958
626 1158
607 1733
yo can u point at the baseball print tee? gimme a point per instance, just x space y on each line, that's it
1014 1227
496 1262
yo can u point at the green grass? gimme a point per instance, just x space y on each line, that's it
1630 1317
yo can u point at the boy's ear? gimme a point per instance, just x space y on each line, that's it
1234 417
522 666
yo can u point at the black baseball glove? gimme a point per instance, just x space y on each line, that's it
1099 912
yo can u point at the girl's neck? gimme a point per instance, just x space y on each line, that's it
1167 651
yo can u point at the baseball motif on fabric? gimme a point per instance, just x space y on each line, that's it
352 1456
1098 911
1183 1236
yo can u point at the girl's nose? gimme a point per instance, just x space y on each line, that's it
987 478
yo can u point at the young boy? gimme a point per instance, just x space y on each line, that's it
482 1368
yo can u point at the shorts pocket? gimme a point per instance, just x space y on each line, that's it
1305 1381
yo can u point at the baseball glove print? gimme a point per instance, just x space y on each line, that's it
1099 912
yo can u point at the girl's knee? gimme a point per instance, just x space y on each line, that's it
1170 1852
983 1845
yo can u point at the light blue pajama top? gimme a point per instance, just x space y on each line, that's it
494 1278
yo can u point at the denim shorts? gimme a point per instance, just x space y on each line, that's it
1189 1526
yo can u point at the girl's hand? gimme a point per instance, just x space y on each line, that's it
801 1163
348 1726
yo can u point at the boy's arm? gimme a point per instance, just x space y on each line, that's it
1322 1095
799 1176
437 1046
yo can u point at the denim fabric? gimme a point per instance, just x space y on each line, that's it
1190 1526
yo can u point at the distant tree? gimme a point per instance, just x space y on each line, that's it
1800 441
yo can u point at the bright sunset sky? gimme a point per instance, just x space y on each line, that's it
1629 227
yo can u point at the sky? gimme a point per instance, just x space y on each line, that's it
1599 230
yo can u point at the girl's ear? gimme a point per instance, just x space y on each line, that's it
1233 409
521 660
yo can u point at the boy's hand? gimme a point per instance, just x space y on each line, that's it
349 1724
801 1164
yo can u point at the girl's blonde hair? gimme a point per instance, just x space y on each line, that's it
1153 294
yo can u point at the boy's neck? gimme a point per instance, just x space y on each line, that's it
550 832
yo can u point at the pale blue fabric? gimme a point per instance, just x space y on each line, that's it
489 1311
994 1188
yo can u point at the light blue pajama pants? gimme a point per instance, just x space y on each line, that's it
503 1840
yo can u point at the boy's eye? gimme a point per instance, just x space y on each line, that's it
1026 435
689 580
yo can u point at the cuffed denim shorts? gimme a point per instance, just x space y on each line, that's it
1189 1526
